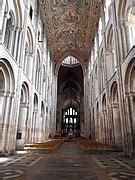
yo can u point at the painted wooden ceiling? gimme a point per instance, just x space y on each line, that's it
70 26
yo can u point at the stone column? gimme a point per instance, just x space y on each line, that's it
33 126
121 98
27 126
128 128
54 100
46 128
10 43
97 128
112 141
22 123
102 128
106 128
41 131
2 20
16 40
105 125
17 55
132 104
3 27
3 122
117 126
8 126
25 62
83 105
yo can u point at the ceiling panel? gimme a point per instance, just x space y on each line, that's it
70 26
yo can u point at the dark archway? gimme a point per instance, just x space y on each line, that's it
70 97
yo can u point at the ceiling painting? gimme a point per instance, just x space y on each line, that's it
70 26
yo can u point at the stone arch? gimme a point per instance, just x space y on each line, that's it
130 98
114 93
7 88
30 40
111 49
25 93
8 75
129 77
22 130
121 9
35 102
10 24
2 80
17 13
131 26
124 29
58 64
104 102
42 108
19 10
28 58
116 115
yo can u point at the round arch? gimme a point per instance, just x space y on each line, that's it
130 76
35 102
8 75
25 93
114 93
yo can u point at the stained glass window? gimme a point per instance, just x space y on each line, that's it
70 61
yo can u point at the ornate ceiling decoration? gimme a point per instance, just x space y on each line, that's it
70 26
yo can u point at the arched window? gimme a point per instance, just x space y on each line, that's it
8 40
111 48
31 12
28 58
131 25
92 59
70 61
95 48
37 73
70 123
100 31
7 84
107 10
102 72
44 83
2 81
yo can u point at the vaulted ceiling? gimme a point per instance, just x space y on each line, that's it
70 26
70 86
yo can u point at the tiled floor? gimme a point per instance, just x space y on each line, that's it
67 162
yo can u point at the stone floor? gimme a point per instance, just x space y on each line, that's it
68 161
